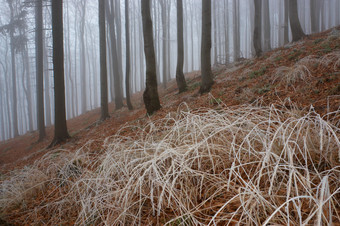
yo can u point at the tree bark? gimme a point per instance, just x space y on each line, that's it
127 71
150 95
14 80
103 69
257 27
295 25
60 128
180 79
206 77
286 21
266 26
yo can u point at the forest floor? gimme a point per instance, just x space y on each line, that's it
301 74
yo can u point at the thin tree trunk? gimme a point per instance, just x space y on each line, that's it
180 79
14 81
127 39
103 66
258 27
207 78
266 26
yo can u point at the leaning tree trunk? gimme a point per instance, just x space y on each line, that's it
127 39
60 128
295 25
103 68
257 28
207 78
150 95
180 79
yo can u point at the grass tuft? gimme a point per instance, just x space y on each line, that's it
248 164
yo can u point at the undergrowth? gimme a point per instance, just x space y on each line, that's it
247 164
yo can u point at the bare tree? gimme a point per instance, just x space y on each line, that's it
180 79
39 69
257 28
295 25
127 39
207 78
118 92
103 69
266 26
150 95
60 127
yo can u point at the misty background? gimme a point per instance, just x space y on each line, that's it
232 34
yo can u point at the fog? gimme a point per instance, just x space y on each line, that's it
232 39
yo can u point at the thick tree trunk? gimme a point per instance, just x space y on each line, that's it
295 25
180 79
103 68
150 95
60 127
257 27
207 78
127 39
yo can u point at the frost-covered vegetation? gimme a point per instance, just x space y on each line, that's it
248 164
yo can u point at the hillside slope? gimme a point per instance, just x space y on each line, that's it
265 140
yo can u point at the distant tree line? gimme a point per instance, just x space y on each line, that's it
99 52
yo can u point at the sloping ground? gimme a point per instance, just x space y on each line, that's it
252 151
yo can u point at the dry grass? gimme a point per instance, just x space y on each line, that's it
248 164
332 59
299 71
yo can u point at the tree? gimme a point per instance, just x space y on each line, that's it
295 25
11 29
39 69
180 79
150 95
236 29
207 78
127 39
257 27
116 62
266 26
103 69
286 19
60 127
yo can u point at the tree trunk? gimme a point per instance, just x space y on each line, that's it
103 68
236 30
127 39
150 95
118 92
60 128
286 21
266 26
164 41
180 79
315 15
14 80
295 25
257 27
83 65
226 33
207 78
